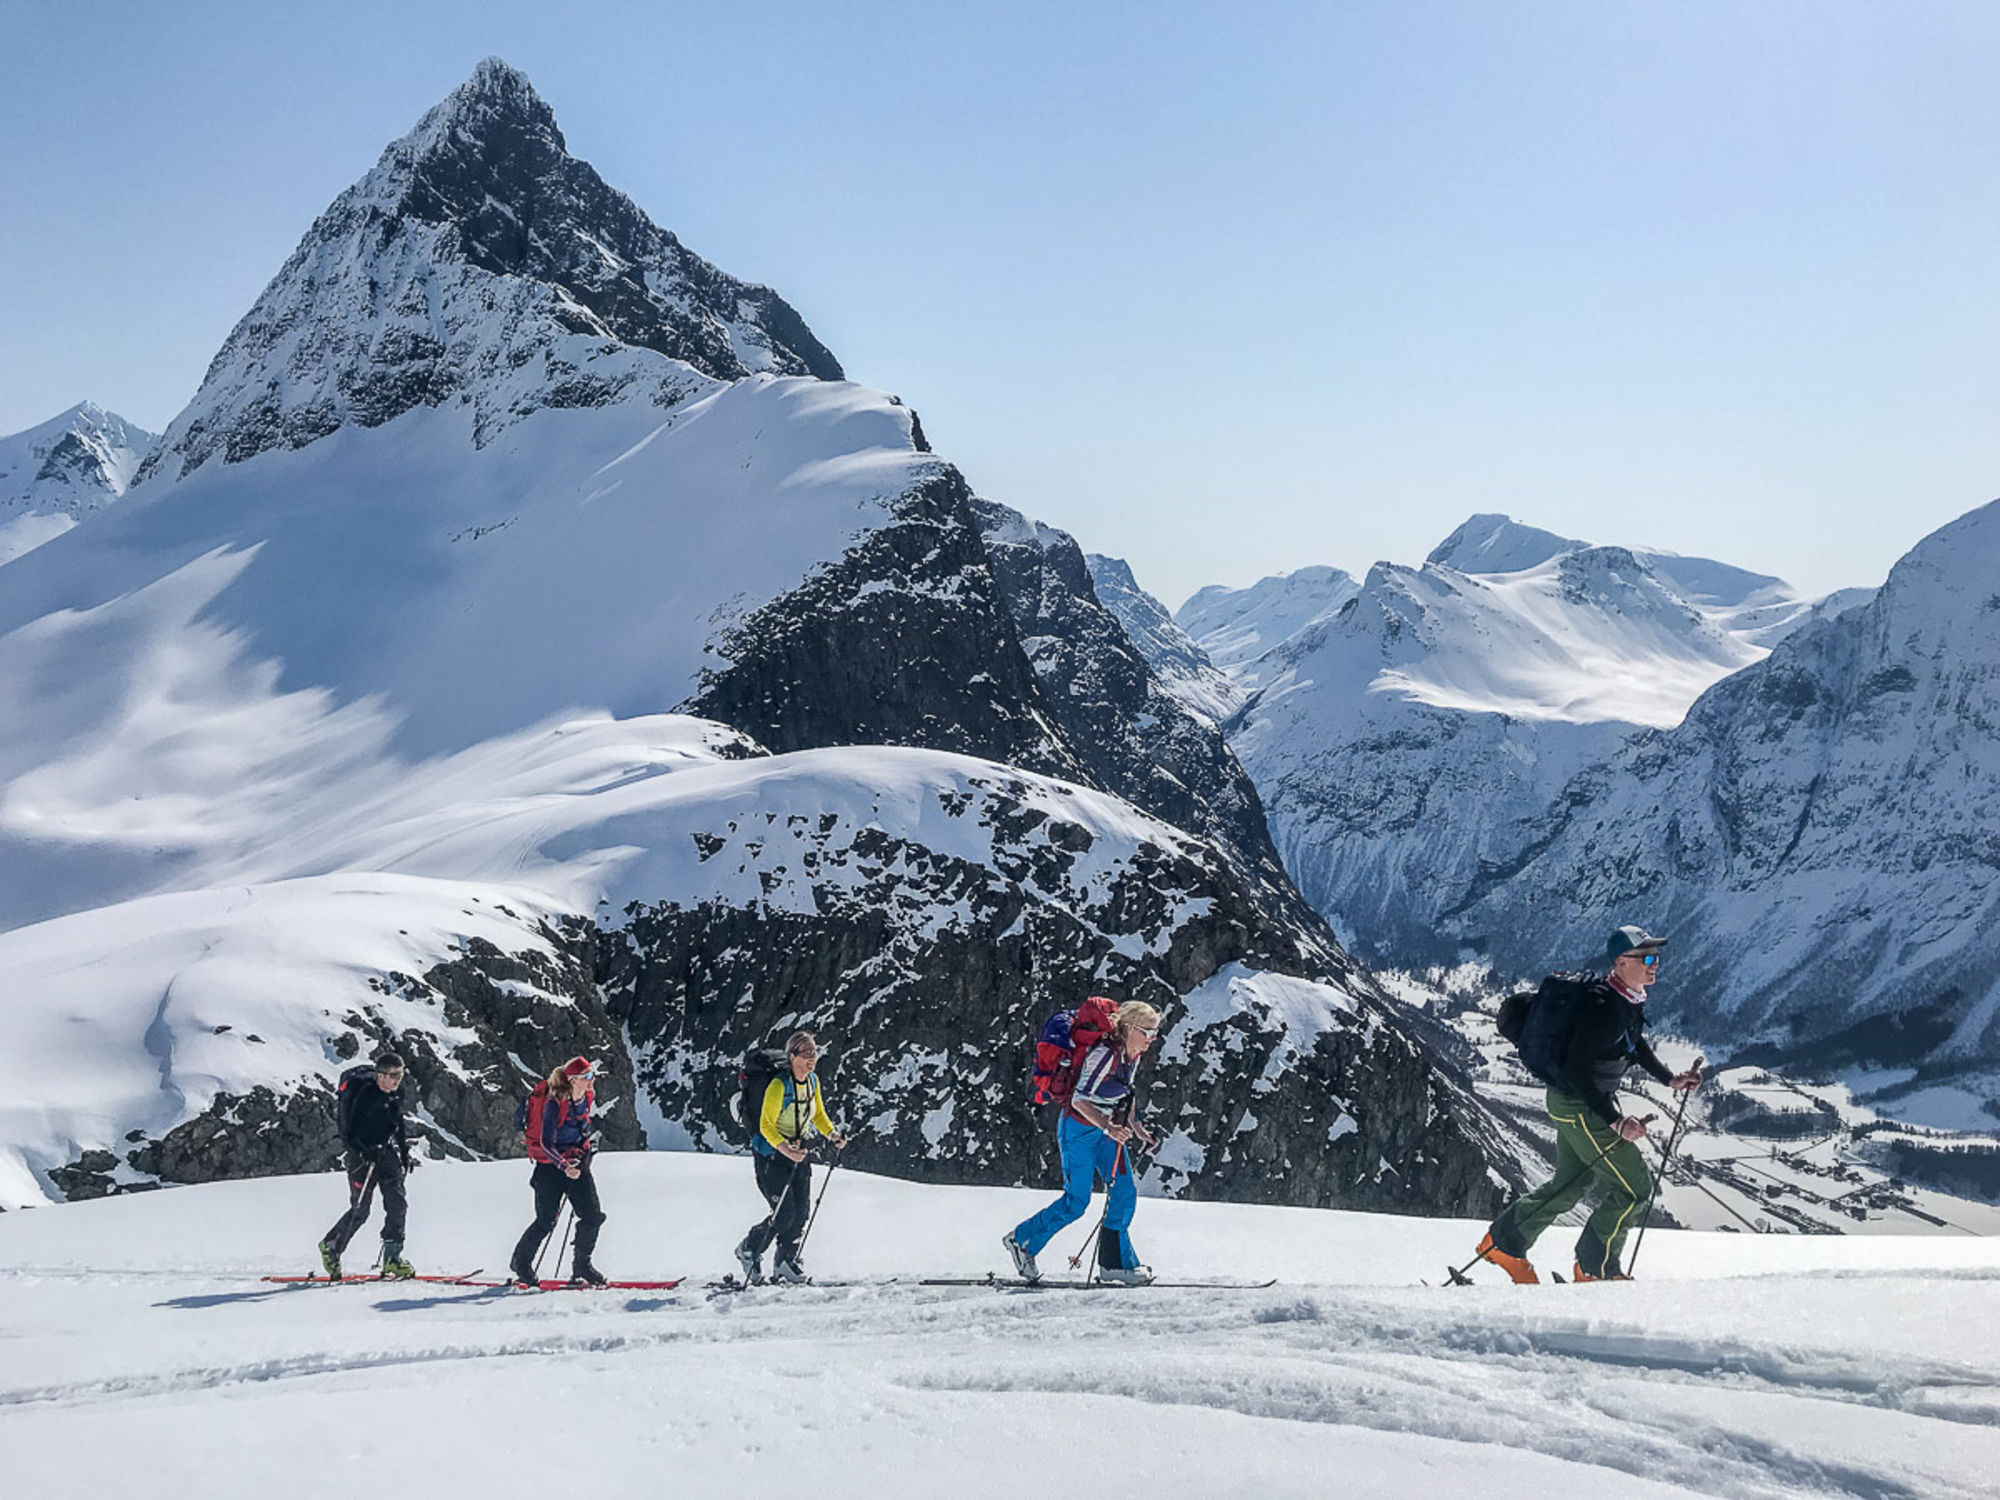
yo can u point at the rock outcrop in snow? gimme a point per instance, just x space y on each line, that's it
54 475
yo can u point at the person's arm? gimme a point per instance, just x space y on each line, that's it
822 1122
1650 1061
1088 1100
774 1104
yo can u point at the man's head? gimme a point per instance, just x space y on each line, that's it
388 1071
1635 957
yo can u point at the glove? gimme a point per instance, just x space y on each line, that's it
411 1163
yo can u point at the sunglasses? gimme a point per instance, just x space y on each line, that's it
1650 960
1147 1030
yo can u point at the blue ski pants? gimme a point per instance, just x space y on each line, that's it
1087 1154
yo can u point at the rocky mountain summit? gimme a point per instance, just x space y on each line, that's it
525 642
55 474
479 264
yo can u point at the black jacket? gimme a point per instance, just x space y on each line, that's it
370 1118
1607 1036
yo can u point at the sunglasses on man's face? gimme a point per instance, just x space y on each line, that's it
1650 960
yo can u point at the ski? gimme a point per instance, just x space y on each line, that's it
583 1286
375 1278
736 1284
1018 1284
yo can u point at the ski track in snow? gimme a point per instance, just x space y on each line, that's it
1868 1371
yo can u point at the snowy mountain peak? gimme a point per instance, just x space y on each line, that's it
55 474
1492 543
1236 627
480 265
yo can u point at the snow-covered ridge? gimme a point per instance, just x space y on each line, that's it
479 264
1183 667
55 474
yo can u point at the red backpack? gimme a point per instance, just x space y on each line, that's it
1062 1043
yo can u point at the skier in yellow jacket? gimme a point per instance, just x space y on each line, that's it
794 1110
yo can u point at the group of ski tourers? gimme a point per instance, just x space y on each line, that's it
1578 1033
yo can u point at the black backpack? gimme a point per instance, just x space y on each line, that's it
1538 1022
760 1066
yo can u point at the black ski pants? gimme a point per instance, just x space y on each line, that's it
552 1185
367 1171
787 1187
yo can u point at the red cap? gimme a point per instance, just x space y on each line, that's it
579 1067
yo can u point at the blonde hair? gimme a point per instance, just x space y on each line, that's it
561 1085
1134 1013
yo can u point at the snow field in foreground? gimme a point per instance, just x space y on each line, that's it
141 1348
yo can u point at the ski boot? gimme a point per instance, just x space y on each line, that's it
752 1263
524 1272
1024 1259
1516 1266
394 1267
583 1273
1577 1273
1125 1275
786 1271
330 1259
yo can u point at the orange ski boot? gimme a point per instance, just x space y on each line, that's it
1516 1266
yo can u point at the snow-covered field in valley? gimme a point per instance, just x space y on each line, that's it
144 1355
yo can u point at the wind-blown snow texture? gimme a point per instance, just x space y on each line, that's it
144 1357
426 689
54 475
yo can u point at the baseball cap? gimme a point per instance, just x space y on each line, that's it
1632 940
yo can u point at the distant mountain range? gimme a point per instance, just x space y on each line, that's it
54 475
1501 754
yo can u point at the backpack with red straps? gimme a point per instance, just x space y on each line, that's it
1061 1045
528 1113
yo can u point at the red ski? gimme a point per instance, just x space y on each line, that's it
373 1278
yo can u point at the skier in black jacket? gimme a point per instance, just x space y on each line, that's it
376 1143
1595 1139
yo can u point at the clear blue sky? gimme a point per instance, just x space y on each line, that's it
1224 289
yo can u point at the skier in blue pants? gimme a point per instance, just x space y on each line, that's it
1096 1124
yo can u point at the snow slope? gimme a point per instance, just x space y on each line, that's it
144 1356
54 475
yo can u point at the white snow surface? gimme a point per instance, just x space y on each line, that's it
145 1356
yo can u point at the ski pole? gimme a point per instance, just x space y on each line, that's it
1458 1276
832 1167
569 1210
1666 1158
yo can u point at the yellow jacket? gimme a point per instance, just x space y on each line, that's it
782 1122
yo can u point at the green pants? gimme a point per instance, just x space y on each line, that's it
1620 1174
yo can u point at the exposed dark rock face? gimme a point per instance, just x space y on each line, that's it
1183 668
927 974
529 1005
904 641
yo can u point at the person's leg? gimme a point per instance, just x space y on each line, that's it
360 1193
395 1195
1114 1247
1627 1183
1522 1222
774 1178
582 1194
548 1187
1079 1165
792 1216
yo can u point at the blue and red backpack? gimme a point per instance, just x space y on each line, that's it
1061 1045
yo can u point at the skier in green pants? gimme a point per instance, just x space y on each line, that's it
1583 1062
